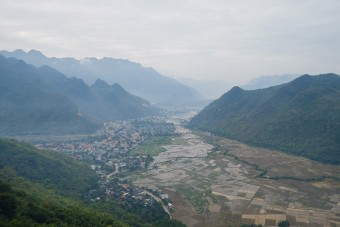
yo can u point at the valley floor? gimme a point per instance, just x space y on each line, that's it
205 180
214 181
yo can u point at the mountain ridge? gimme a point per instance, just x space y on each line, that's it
269 81
300 117
136 79
28 108
43 98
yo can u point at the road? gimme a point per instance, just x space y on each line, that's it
159 200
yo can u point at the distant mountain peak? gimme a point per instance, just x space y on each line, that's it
21 63
117 60
36 54
116 85
329 75
235 92
19 51
103 85
33 51
119 89
236 89
306 78
99 83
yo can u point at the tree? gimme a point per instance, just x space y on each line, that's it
7 205
283 223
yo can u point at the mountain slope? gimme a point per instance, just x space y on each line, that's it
139 80
42 100
301 117
94 100
26 107
28 204
54 170
118 102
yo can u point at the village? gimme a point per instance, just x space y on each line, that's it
108 152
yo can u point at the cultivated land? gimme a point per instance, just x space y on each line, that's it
214 181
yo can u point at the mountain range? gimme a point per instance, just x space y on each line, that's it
43 100
136 79
301 117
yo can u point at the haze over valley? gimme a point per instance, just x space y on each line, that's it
170 113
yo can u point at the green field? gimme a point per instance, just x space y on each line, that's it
153 146
196 198
179 141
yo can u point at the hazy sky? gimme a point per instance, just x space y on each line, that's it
203 39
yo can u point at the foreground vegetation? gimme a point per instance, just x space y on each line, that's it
43 188
54 170
34 205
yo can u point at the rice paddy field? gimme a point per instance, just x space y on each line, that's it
214 181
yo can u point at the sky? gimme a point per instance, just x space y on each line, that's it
230 40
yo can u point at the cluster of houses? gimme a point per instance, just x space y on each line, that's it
110 146
108 154
121 190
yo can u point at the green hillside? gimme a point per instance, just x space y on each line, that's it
117 103
132 76
45 188
301 117
28 204
65 175
44 101
27 107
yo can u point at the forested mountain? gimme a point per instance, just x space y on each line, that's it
136 79
40 187
56 171
117 102
45 188
301 117
23 203
42 100
101 102
27 107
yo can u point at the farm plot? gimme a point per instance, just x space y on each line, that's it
229 183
